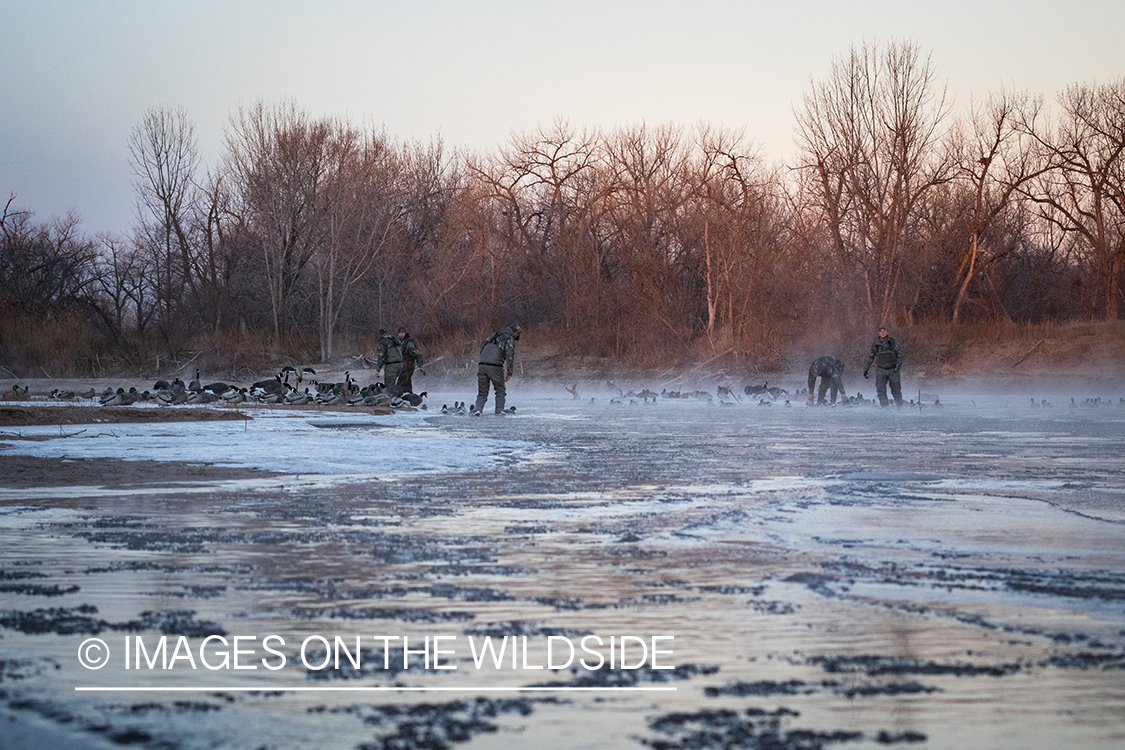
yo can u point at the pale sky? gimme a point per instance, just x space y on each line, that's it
76 77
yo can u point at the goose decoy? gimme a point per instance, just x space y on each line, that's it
161 385
194 384
263 388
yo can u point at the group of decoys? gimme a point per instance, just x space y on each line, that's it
287 387
280 390
766 395
460 410
1091 402
769 395
727 396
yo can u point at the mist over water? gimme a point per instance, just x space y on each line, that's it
945 577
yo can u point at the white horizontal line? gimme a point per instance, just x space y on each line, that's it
297 689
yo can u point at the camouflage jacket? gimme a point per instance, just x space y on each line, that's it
390 351
500 349
885 353
827 367
410 351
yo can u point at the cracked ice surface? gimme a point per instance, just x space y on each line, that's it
834 577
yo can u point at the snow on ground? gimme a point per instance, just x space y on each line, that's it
332 446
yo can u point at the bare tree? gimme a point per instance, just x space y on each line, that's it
647 196
45 267
543 183
994 157
1083 191
361 207
447 234
739 200
123 288
868 132
164 158
275 162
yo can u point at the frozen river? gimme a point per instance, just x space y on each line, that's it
783 577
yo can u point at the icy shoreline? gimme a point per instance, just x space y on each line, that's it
849 577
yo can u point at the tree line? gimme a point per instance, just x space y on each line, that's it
629 243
